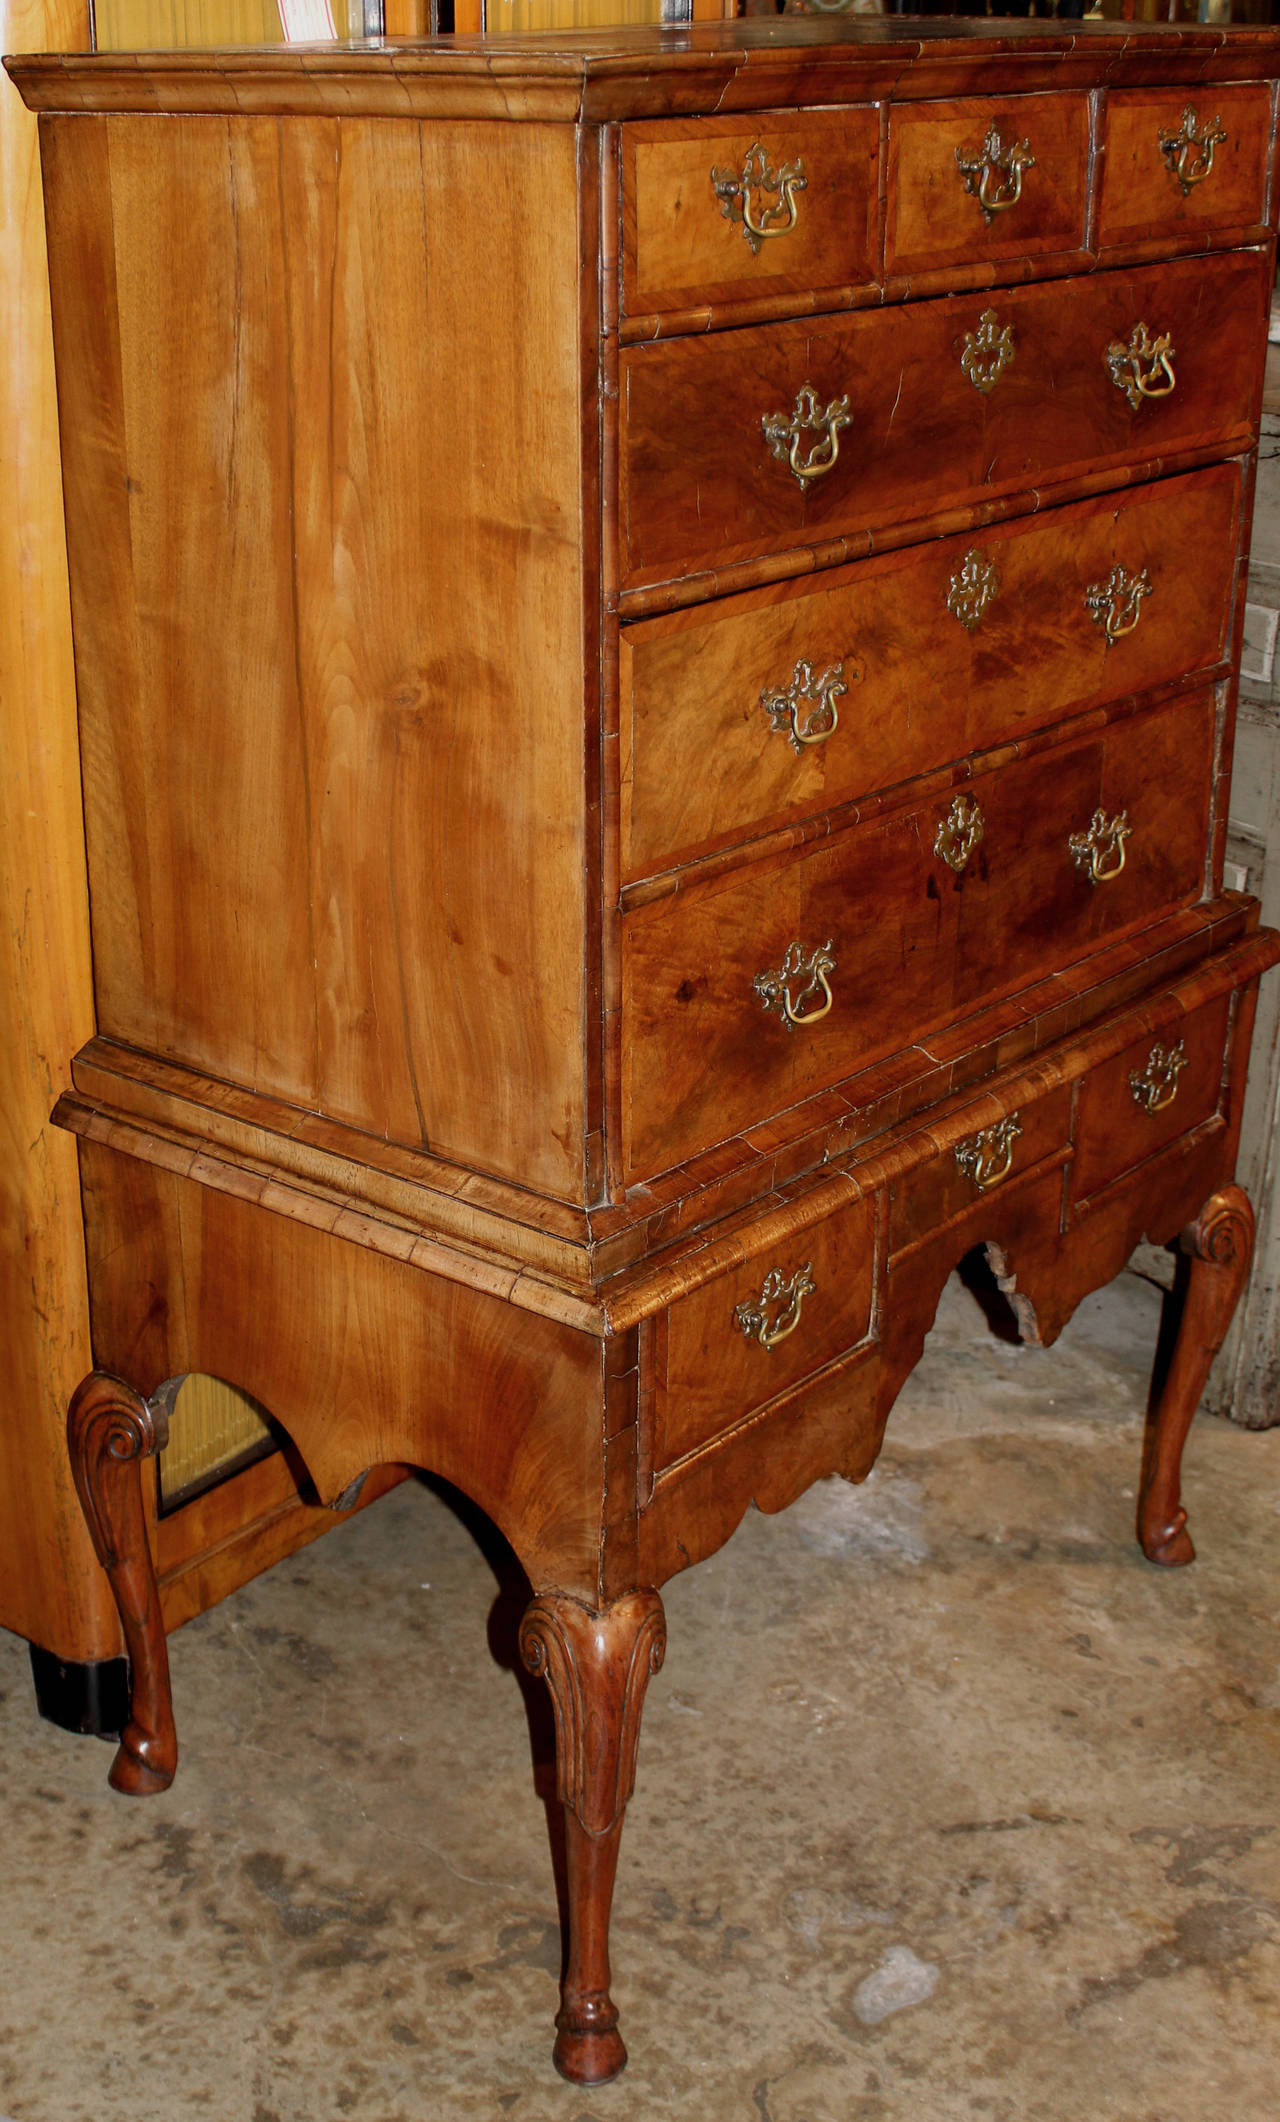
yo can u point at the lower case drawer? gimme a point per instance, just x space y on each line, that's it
745 994
1161 1086
977 1164
758 1331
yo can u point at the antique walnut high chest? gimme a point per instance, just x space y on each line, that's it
655 625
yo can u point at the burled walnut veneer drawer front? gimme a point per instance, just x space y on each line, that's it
742 443
1181 163
747 993
1162 1086
759 1330
993 1152
724 209
983 178
743 714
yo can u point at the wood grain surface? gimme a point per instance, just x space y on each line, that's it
1140 194
50 1587
333 715
701 765
700 484
934 220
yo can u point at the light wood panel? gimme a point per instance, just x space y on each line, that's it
336 788
50 1587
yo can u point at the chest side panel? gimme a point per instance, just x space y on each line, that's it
328 583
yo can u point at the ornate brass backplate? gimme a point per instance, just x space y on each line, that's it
992 174
743 196
1188 150
1116 604
1100 850
1143 368
987 1157
786 991
987 352
971 589
959 833
805 711
785 432
775 1313
1156 1085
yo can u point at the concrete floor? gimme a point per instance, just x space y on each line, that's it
949 1806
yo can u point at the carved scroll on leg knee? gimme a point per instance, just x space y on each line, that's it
597 1666
1220 1245
110 1431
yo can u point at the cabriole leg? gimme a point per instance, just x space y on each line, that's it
597 1667
1220 1243
110 1431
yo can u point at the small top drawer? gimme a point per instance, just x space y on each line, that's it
724 210
986 179
1173 163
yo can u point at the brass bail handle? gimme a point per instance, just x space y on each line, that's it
987 1157
785 992
775 1313
759 178
805 712
1144 367
1188 149
960 833
1156 1085
785 434
1116 604
1100 851
993 173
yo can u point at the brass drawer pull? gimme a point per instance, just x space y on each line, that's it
959 833
1100 851
759 176
1156 1085
775 989
1188 152
971 589
987 352
1143 368
978 167
784 433
987 1157
1116 604
785 705
775 1313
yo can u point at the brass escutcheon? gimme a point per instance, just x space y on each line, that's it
1116 604
978 166
759 176
1156 1085
1188 152
785 705
807 976
784 432
987 1157
987 352
959 833
1100 851
971 589
775 1313
1143 368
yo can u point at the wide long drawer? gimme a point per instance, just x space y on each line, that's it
782 436
750 992
745 713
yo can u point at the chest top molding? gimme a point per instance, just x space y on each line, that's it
594 76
